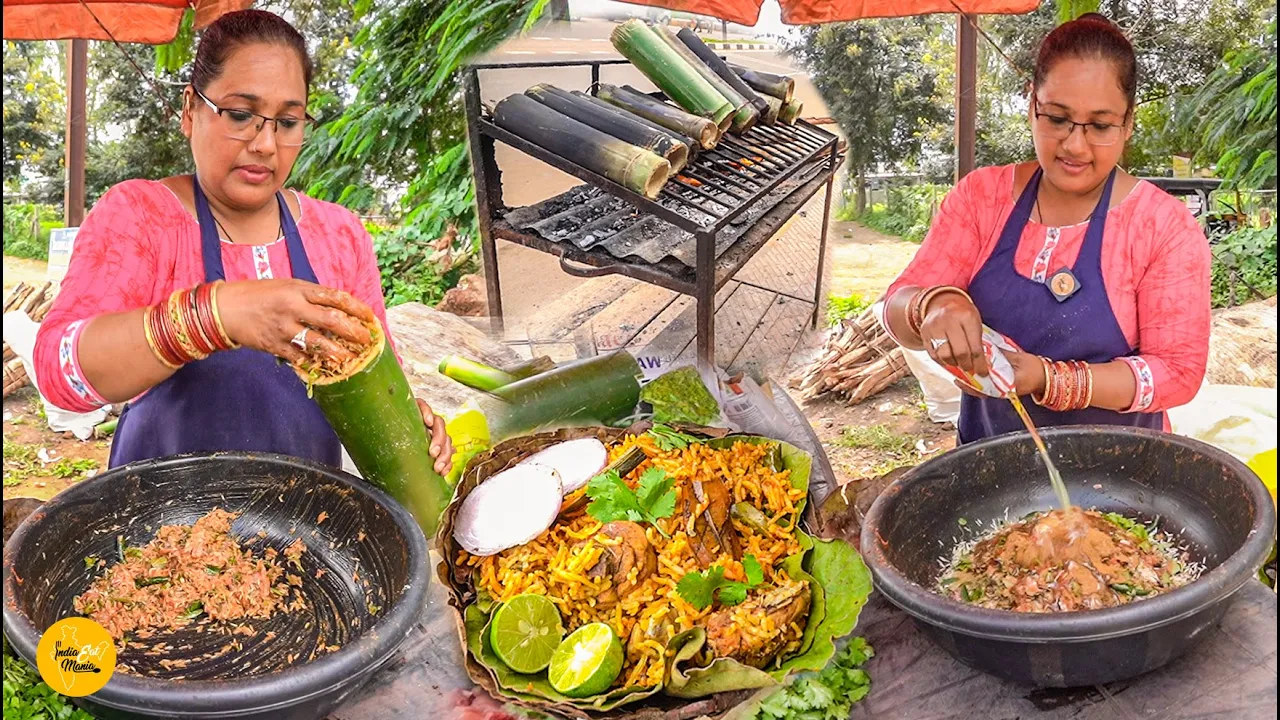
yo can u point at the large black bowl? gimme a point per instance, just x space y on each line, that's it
1222 511
373 554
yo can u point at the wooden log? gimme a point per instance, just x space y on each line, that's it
615 124
35 298
9 354
20 294
42 311
637 169
721 68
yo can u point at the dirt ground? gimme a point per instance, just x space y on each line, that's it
39 462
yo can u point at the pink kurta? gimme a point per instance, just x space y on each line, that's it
139 244
1155 265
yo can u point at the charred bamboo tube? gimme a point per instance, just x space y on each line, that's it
606 121
637 169
688 142
744 116
775 107
779 86
706 132
721 68
653 57
790 111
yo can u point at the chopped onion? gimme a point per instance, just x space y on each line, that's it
577 461
509 509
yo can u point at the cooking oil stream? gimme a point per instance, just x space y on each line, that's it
1055 477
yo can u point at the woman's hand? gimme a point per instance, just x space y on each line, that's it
441 444
952 333
1028 375
268 314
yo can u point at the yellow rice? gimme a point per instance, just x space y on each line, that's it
555 564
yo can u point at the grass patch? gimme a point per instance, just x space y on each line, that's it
67 468
840 307
19 462
896 449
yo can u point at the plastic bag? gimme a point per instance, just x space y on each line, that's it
20 333
999 381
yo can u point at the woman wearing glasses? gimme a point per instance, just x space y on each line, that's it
1102 279
262 273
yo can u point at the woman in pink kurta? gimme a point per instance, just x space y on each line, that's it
286 266
1100 278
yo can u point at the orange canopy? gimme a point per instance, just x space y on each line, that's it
153 22
812 12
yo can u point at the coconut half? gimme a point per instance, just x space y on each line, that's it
577 461
509 509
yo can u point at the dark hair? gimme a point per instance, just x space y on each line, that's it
244 27
1090 36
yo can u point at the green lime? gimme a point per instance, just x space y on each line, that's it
587 662
525 632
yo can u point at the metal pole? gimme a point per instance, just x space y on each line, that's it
822 239
706 300
77 130
966 93
481 150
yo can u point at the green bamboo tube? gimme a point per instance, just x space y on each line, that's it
703 130
637 169
529 368
744 116
374 413
790 111
775 107
721 68
599 390
779 86
607 121
653 57
676 135
474 375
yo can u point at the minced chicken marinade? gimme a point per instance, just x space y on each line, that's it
189 572
1061 561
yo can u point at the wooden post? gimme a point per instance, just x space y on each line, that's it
77 130
966 93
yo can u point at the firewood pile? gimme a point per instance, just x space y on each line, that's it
35 302
859 360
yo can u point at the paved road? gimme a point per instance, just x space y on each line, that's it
532 280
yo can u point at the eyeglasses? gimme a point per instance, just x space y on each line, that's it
245 125
1060 128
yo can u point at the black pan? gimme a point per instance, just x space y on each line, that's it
366 599
1216 504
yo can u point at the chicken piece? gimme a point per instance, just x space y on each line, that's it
618 559
710 532
739 632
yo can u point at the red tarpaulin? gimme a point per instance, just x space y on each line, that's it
810 12
154 22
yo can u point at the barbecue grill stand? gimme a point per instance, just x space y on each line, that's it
789 150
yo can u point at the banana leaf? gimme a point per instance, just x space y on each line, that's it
839 585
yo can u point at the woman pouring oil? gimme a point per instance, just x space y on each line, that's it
1101 278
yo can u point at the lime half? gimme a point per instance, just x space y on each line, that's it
525 633
587 662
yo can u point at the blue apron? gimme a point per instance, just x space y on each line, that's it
1082 327
241 400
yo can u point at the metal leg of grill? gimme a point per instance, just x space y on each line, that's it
822 252
706 300
488 196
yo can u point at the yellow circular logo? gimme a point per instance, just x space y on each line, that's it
76 656
1063 284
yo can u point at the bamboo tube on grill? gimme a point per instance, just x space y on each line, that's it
775 107
721 68
688 142
607 121
744 116
706 132
779 86
653 57
637 169
790 111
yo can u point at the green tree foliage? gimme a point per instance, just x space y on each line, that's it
878 90
1236 109
34 109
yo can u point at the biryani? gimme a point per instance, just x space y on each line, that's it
189 571
733 521
1062 561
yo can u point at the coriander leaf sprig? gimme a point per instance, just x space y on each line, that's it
701 589
653 499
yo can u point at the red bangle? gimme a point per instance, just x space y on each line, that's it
194 332
164 335
149 329
204 316
914 321
178 328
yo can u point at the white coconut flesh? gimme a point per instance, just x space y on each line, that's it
577 461
509 509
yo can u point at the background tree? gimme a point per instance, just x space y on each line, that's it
34 111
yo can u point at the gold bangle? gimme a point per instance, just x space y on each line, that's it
1044 365
151 340
935 292
180 328
217 316
1088 398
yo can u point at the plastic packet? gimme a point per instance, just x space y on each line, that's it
999 381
